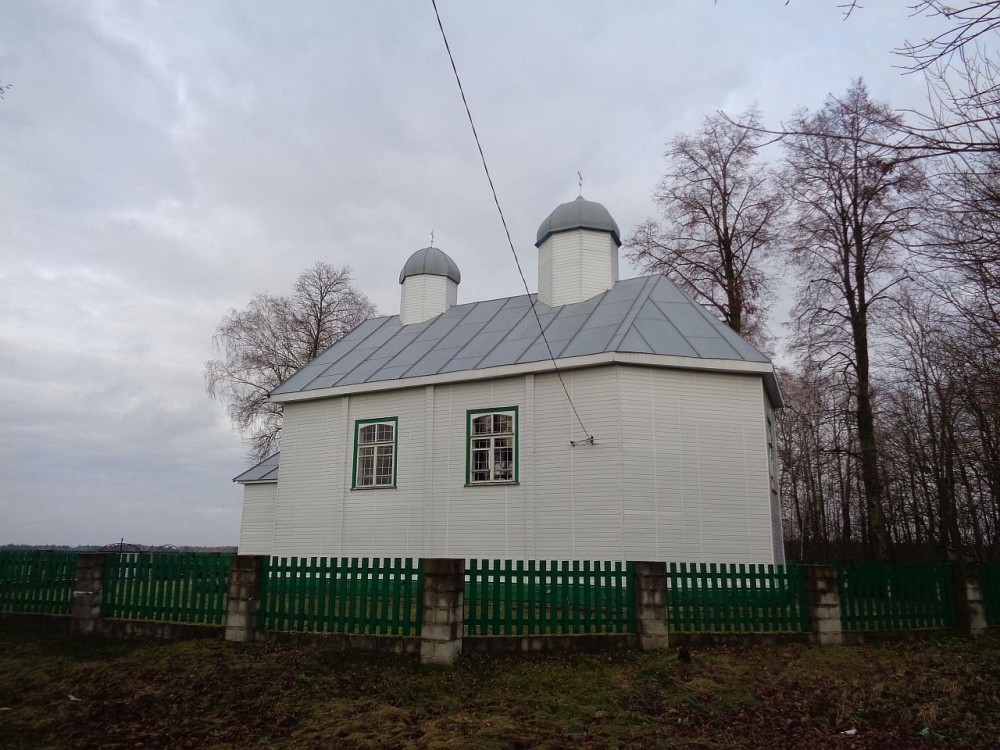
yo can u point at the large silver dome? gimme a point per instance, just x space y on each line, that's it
578 214
431 261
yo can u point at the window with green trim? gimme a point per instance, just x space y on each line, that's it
491 455
375 442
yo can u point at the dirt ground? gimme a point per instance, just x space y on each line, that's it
61 691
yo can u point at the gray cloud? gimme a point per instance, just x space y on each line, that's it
162 162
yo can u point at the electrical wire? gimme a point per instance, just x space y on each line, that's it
503 220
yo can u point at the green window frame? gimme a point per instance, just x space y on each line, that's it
376 444
491 446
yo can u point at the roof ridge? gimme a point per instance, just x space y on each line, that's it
724 329
490 320
384 322
352 346
541 330
458 322
583 327
633 313
506 337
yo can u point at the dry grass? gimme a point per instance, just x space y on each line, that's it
944 694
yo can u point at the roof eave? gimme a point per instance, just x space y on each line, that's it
763 369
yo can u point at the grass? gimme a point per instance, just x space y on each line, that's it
60 691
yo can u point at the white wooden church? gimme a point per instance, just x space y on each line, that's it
446 430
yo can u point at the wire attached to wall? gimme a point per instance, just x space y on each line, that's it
590 438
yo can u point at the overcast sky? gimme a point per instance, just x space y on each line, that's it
160 162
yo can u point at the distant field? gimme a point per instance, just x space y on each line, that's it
58 691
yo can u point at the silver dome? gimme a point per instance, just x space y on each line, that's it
431 261
578 214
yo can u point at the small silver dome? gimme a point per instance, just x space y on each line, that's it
578 214
431 261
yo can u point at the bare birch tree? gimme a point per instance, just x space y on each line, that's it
719 212
851 211
266 342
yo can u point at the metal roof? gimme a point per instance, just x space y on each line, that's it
578 214
265 471
646 315
431 261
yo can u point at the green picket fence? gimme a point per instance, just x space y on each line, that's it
991 592
377 596
731 598
503 597
167 587
37 581
893 596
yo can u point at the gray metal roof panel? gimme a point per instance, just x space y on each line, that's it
647 315
483 312
634 342
413 353
432 363
712 347
507 352
590 340
481 345
663 338
265 471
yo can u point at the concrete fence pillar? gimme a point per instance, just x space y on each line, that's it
87 592
970 605
823 604
442 615
244 597
649 586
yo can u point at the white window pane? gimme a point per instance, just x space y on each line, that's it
366 469
383 465
481 463
503 423
482 425
384 433
367 434
503 461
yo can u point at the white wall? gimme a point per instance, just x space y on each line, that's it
576 265
257 527
678 471
424 296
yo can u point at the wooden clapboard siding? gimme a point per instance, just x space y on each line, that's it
576 265
678 471
473 521
425 295
308 477
376 521
257 526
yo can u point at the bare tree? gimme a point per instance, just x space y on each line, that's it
719 211
970 21
850 209
962 68
961 237
268 341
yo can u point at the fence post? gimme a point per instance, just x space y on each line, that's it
823 604
443 611
970 605
649 586
244 597
87 592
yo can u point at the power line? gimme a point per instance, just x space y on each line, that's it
503 220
